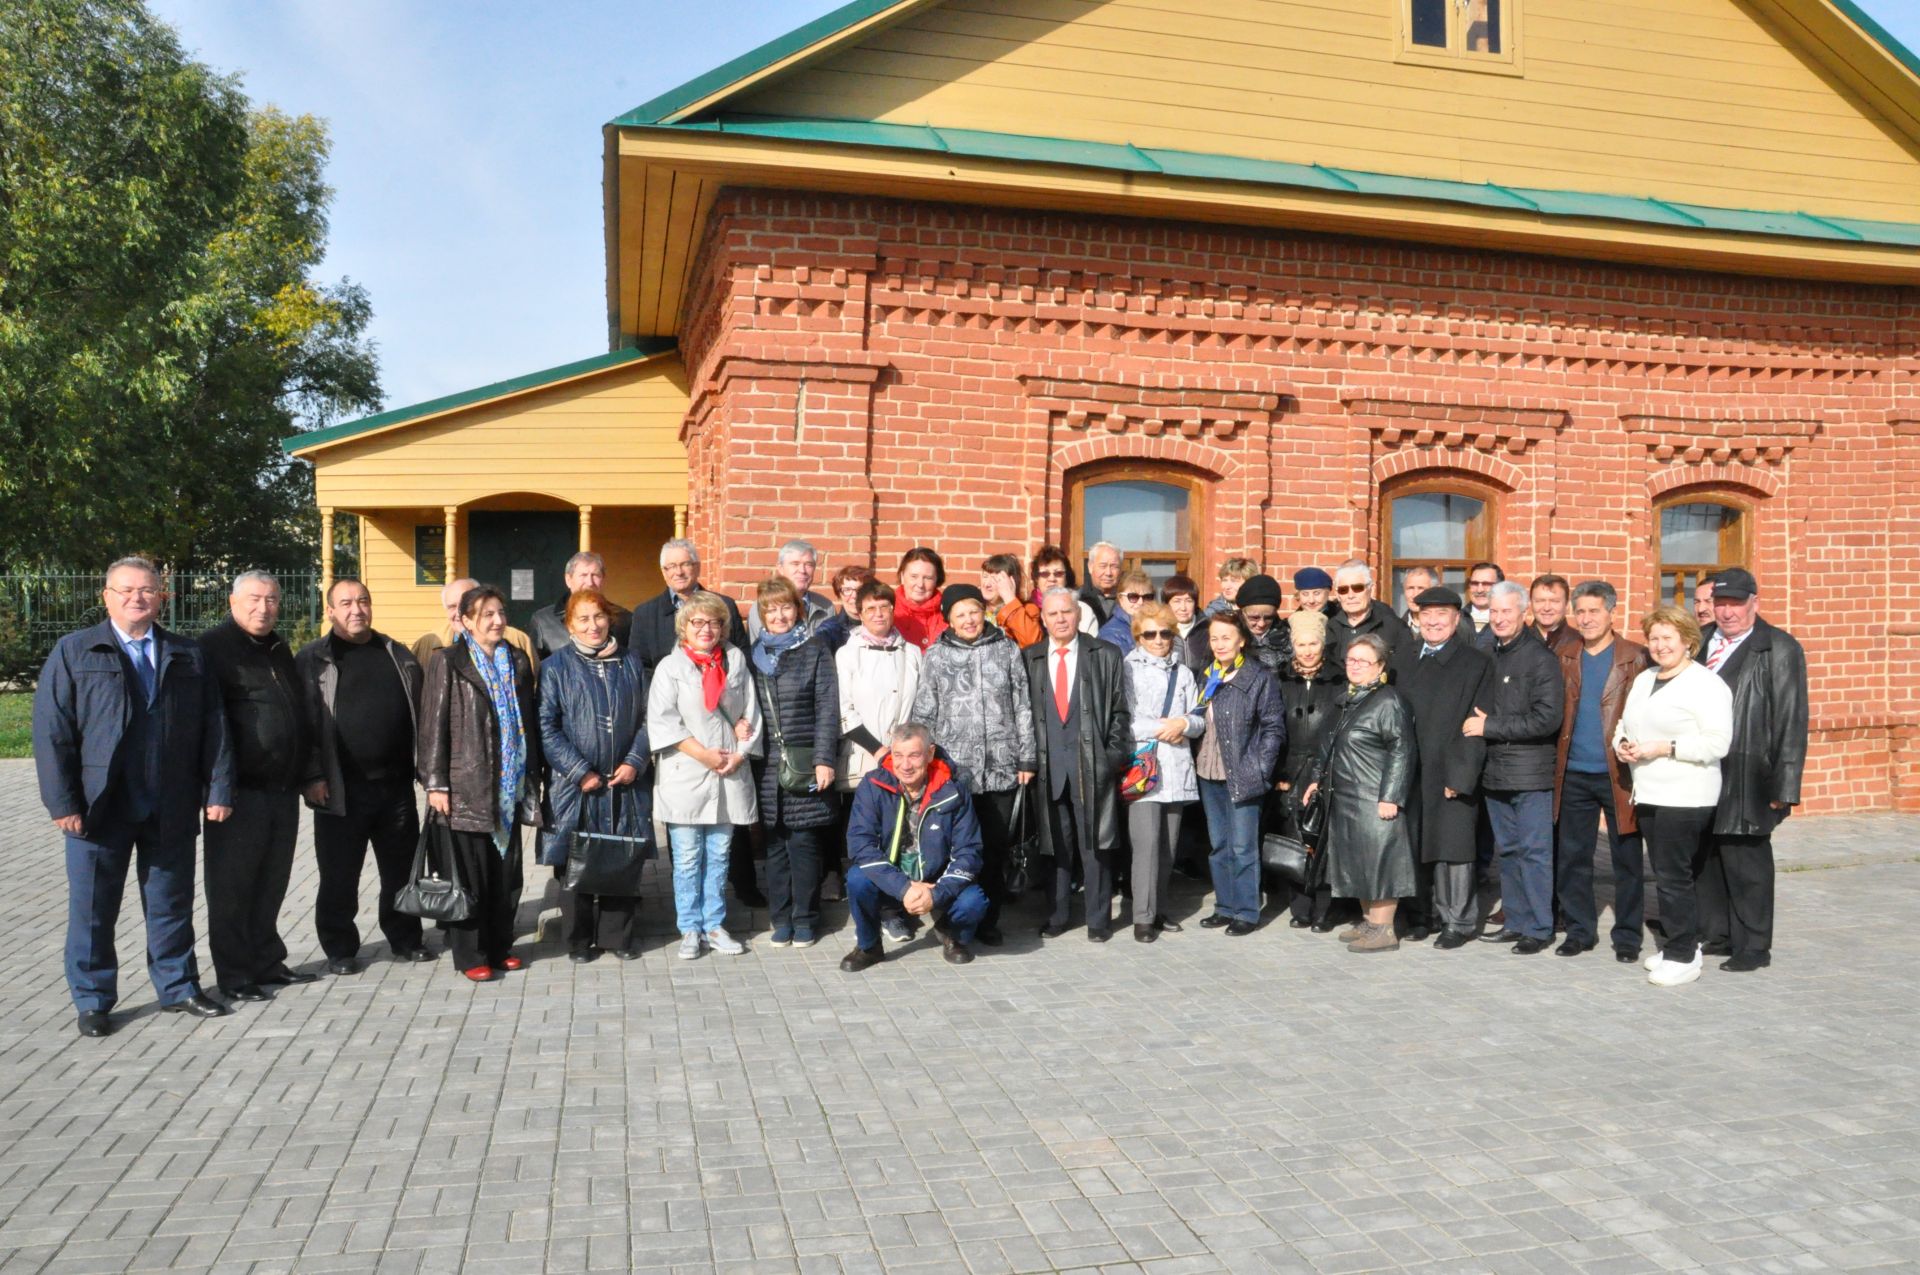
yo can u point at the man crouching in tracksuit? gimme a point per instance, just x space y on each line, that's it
912 836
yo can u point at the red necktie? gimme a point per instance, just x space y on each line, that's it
1719 655
1062 688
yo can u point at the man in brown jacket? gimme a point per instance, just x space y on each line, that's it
1599 671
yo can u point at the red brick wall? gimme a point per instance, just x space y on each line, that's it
874 375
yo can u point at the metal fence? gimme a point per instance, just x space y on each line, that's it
38 607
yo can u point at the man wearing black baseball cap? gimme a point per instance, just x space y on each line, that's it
1760 778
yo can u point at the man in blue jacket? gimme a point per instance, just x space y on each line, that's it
912 836
130 743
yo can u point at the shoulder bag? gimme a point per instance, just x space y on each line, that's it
426 894
1142 777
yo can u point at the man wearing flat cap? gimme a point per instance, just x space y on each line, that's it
1445 677
1760 777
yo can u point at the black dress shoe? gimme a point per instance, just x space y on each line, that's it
1746 964
1451 939
862 958
246 992
94 1022
1298 923
1529 947
410 954
1573 947
1145 934
1240 929
1716 949
282 977
1051 931
200 1005
1503 936
1627 955
1420 933
1325 925
990 935
1098 936
344 966
1215 921
627 954
955 952
582 955
1165 926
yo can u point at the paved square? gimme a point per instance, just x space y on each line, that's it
1203 1104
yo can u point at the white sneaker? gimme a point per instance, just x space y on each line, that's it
1659 955
724 943
1674 974
690 945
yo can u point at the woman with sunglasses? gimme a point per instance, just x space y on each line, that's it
1246 730
1161 699
1051 570
1134 591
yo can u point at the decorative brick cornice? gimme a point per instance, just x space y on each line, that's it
1694 440
1482 427
1214 407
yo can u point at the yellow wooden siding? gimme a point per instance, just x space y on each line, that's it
608 439
401 609
1692 100
630 540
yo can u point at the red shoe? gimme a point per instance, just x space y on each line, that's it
481 974
513 963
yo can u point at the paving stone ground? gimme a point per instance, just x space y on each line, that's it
1202 1104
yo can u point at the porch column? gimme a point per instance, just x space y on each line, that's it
679 522
452 513
326 549
586 528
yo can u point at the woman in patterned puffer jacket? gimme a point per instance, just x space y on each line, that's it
973 696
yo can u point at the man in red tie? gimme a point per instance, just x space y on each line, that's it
1760 778
1080 716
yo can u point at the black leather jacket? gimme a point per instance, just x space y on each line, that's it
1768 676
458 752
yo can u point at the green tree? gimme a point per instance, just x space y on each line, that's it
160 328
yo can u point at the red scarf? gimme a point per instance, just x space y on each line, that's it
921 623
713 673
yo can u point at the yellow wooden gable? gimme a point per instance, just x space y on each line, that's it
1777 137
1713 102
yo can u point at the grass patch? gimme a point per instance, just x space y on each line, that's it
16 723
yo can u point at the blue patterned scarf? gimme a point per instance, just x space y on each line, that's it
496 674
771 646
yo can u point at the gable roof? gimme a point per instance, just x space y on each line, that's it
299 444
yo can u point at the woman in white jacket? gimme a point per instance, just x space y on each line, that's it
1161 697
879 674
1677 725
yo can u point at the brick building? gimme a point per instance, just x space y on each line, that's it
1422 282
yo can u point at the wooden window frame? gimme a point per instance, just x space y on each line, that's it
1166 473
1456 57
1482 540
1736 544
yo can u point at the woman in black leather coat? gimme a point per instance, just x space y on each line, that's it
1314 690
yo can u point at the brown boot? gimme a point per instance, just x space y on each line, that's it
1378 938
1353 933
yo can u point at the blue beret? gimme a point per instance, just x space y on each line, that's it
1312 578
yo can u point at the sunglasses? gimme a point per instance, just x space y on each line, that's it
1137 597
1352 588
1153 635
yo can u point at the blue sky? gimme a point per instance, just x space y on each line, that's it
466 151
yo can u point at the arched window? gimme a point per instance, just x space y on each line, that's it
1697 538
1153 512
1439 523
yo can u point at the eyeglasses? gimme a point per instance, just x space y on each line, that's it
1156 635
1137 597
698 622
137 592
1351 588
1051 573
1481 584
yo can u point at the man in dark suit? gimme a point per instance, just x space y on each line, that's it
653 619
585 570
1759 779
1085 741
130 745
1445 678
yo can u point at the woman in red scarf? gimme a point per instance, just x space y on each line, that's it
917 612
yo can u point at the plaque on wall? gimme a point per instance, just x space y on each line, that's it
430 555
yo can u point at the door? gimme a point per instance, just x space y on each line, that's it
524 555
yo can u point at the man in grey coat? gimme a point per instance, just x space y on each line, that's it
1085 738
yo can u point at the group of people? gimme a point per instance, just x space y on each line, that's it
912 740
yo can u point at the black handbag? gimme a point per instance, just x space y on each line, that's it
1023 843
791 776
600 862
1313 817
1287 858
428 895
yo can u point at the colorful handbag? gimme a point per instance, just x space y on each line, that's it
1142 777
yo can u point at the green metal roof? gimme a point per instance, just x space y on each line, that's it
646 349
1124 157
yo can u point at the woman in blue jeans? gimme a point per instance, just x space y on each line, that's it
703 720
1235 760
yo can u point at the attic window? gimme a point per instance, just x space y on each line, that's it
1476 35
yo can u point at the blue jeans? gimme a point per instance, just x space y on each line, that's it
1523 835
962 916
96 880
1235 830
699 874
